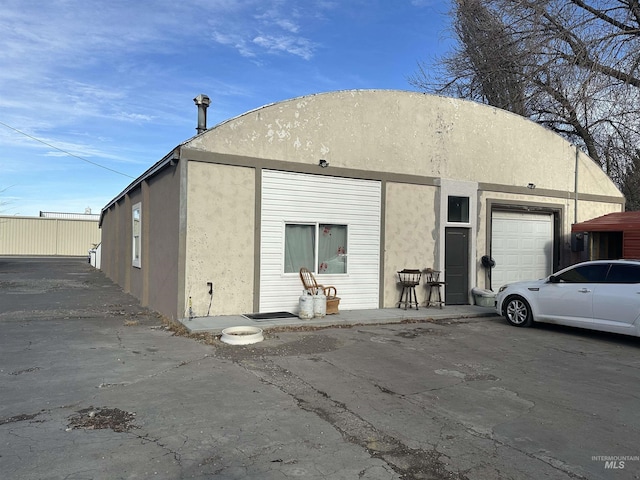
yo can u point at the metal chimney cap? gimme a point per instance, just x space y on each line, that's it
202 99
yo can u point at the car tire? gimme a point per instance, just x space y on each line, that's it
518 312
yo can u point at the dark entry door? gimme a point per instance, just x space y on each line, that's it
456 266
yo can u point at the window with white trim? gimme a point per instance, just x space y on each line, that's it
458 209
320 247
136 230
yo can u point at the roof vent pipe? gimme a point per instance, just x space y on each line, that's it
202 101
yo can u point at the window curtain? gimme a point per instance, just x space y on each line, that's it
299 247
332 248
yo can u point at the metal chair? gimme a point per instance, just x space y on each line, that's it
408 280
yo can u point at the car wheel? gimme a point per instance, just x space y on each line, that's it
518 312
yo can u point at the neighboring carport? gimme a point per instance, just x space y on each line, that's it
616 235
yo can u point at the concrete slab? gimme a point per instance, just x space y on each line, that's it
216 324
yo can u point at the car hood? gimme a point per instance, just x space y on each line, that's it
528 283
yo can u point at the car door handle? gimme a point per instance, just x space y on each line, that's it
584 290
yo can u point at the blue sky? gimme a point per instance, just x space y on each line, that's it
112 82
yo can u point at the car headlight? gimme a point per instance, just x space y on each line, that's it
502 288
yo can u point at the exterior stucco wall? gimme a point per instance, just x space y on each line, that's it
589 209
220 239
411 229
408 133
161 263
109 248
116 242
591 178
155 283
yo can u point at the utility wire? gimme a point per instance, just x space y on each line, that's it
63 151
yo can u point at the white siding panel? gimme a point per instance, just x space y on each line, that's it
521 245
293 197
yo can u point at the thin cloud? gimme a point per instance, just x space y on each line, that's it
278 29
288 25
235 41
133 117
273 17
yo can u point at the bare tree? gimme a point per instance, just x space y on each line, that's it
486 63
570 65
631 184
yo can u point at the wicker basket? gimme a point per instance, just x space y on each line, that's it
332 305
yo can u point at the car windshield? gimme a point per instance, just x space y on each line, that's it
594 273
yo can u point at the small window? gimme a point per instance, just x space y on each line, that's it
622 273
585 274
136 228
322 248
458 210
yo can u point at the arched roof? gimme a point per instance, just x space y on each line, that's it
408 133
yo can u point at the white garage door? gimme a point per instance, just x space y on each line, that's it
289 198
521 245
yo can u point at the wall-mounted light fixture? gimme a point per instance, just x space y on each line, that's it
531 186
323 163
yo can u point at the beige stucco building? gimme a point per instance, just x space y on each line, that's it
359 185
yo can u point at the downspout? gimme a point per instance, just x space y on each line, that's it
575 197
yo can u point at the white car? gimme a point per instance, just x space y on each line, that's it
599 295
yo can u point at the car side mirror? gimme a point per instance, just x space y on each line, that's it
553 279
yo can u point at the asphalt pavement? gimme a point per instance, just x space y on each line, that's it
93 386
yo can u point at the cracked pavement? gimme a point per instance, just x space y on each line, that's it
458 400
